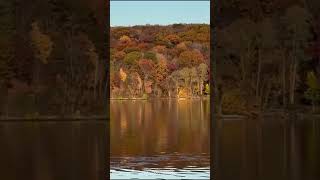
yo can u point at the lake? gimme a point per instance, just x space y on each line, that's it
51 150
165 139
169 139
273 146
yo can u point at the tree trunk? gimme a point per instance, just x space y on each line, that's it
201 88
95 80
220 103
242 65
265 103
36 78
4 103
294 72
284 96
293 81
313 106
258 74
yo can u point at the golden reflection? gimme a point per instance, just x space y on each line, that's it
150 127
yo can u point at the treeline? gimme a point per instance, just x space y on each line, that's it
52 58
268 61
160 61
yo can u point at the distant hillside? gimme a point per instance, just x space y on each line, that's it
159 61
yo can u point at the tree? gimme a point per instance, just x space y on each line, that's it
119 55
41 42
185 74
161 72
267 42
90 52
7 53
160 49
194 80
240 38
207 89
203 75
298 31
132 58
174 39
147 68
190 58
150 55
123 75
135 84
42 46
125 39
313 91
176 80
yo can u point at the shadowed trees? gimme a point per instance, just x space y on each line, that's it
53 58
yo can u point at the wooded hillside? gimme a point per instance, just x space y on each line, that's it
267 56
53 57
160 61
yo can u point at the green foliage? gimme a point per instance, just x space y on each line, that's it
132 58
313 95
145 96
207 89
312 81
131 49
313 91
150 55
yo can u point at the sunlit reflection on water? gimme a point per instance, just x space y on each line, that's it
161 173
160 139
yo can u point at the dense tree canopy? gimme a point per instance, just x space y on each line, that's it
266 57
52 58
160 61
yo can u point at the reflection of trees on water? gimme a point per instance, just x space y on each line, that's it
269 147
160 126
53 150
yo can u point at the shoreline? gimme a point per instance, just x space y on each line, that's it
53 118
164 98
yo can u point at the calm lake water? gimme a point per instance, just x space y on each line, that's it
53 150
165 139
274 146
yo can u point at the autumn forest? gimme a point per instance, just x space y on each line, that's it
52 59
267 57
160 61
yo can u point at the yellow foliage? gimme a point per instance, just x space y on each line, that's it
41 42
183 93
123 75
125 39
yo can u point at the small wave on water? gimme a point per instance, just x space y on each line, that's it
172 166
161 173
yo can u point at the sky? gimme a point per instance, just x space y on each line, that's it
129 13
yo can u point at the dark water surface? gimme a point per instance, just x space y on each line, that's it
277 147
57 150
167 139
162 139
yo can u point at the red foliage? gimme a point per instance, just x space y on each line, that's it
144 46
172 67
146 65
